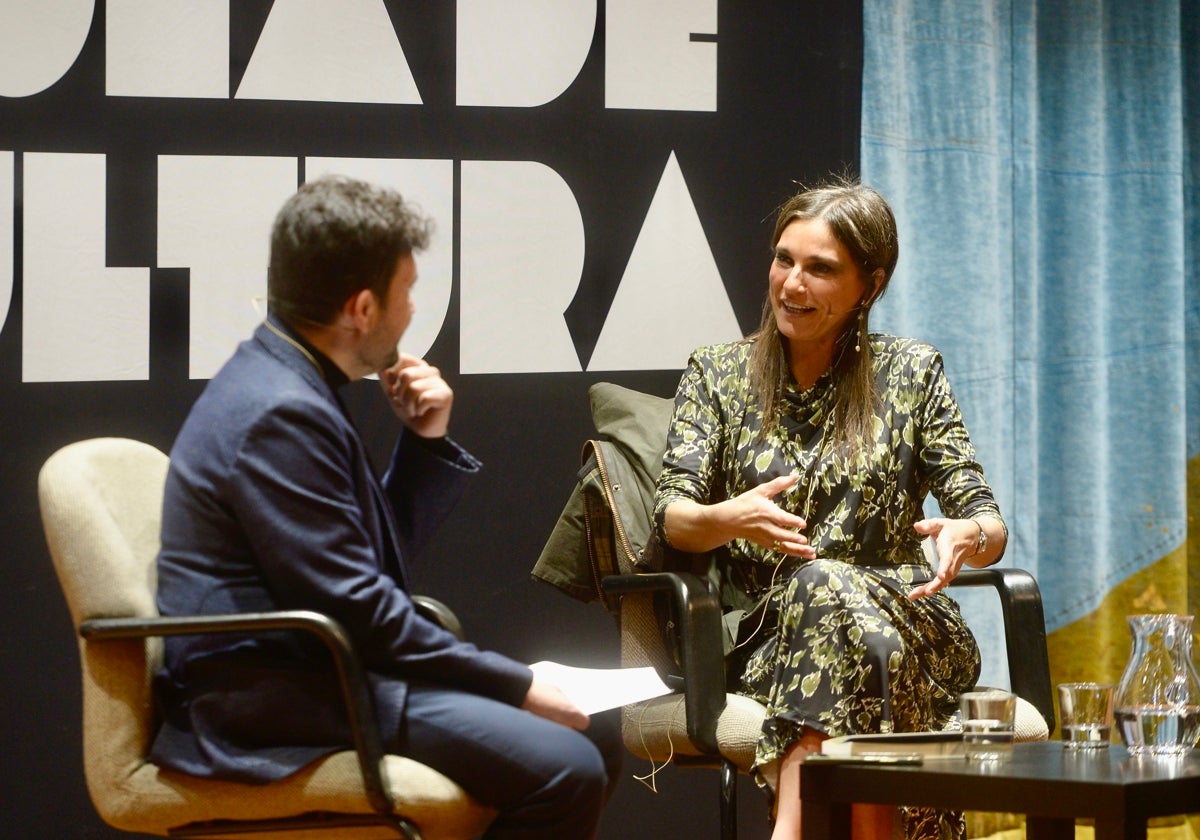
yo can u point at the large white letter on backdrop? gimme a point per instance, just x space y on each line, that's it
520 265
7 160
520 53
329 51
671 298
429 185
82 321
650 59
169 48
39 42
214 217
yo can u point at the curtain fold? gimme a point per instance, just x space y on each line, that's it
1039 159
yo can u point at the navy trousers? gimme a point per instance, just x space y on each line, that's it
549 782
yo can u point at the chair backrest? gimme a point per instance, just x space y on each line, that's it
101 506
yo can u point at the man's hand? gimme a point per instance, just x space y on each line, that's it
547 700
418 395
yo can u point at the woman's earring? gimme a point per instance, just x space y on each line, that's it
858 334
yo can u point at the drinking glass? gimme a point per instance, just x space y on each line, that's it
1087 714
987 724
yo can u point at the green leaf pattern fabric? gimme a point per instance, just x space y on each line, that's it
817 635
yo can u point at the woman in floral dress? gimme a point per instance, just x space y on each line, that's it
800 457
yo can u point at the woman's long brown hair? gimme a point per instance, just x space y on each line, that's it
863 223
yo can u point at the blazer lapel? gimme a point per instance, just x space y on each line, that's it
386 534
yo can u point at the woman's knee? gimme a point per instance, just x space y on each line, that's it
815 573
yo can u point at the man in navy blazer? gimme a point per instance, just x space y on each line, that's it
271 503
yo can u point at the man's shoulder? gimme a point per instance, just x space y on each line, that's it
254 374
250 389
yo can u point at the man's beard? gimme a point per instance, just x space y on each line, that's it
377 359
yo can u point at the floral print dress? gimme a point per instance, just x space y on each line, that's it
835 644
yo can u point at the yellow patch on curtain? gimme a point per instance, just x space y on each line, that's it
1172 828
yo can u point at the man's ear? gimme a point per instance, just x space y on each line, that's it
360 310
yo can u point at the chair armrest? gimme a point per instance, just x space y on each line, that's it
701 653
1024 632
360 712
440 614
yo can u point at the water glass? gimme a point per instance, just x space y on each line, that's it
987 723
1087 714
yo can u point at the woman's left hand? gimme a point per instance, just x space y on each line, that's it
957 541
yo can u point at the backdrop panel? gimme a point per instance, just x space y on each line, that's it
593 167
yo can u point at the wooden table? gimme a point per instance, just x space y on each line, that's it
1050 785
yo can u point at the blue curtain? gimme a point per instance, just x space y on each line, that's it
1039 159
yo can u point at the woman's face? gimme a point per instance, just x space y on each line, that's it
815 286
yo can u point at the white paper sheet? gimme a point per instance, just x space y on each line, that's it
596 689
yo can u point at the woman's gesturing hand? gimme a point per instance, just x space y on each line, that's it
758 518
957 542
753 516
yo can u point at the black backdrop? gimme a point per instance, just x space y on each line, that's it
787 110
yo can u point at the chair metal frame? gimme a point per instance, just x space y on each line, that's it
360 713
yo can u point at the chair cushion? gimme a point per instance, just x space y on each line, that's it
101 505
152 799
657 729
1030 725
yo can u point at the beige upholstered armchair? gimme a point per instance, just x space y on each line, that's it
101 502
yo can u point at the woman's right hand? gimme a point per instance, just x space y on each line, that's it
752 515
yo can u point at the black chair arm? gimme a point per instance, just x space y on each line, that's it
360 712
440 614
702 658
1024 632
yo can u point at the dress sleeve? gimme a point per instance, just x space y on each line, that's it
948 465
695 441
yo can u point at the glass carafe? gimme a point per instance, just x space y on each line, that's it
1157 705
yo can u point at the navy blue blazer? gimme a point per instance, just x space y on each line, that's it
271 503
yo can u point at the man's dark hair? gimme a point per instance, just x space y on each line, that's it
333 238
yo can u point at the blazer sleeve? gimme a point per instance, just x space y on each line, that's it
424 481
299 480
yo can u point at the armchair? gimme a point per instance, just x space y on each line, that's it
703 724
101 502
